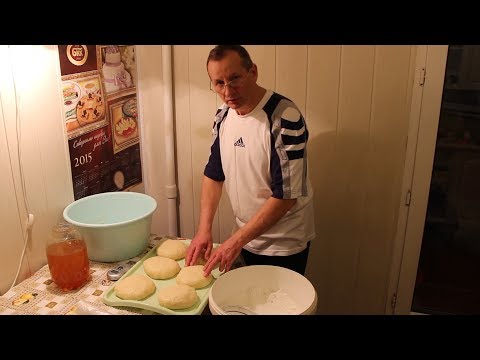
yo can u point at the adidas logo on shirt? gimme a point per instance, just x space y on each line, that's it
239 142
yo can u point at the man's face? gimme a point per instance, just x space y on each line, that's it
231 81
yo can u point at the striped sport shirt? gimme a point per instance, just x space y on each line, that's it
264 154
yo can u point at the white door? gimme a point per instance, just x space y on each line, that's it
424 117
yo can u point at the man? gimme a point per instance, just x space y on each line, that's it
259 153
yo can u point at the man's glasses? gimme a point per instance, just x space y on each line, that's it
220 87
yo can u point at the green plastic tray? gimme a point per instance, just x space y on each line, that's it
151 303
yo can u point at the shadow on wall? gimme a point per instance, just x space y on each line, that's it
321 149
354 191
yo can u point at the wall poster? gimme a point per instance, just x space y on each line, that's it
99 85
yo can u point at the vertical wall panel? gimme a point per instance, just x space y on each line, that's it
10 250
183 142
387 140
349 174
291 73
31 90
47 163
321 116
264 57
11 238
152 121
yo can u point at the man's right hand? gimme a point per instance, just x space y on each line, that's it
201 245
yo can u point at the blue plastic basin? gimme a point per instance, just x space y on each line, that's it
115 225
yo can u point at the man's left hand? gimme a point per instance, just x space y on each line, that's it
225 254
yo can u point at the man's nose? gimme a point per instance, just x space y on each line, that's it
228 89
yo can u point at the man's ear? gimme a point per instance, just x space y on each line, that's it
254 71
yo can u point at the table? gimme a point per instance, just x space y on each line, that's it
39 295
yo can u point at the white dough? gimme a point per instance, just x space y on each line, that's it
177 296
135 287
173 249
193 276
160 268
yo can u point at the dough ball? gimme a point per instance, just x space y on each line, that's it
193 276
177 296
173 249
135 287
160 268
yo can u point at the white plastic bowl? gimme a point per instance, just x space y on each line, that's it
115 225
262 290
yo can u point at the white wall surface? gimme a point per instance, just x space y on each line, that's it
150 100
32 113
11 223
356 100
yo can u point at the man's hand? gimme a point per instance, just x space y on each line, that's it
201 245
225 254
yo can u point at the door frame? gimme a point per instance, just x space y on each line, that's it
422 135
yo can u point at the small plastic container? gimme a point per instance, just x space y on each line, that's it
67 257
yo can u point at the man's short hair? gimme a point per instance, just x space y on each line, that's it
220 51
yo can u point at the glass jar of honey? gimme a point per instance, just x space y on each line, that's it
67 257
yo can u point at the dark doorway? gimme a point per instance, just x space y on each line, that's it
448 276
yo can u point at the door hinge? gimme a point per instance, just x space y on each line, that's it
408 197
421 80
394 302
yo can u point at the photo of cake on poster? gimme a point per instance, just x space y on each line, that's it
100 112
118 67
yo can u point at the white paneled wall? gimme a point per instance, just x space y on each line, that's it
291 73
32 134
388 129
150 99
356 101
348 173
194 105
10 251
265 60
322 113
